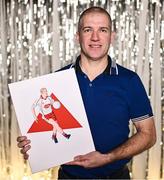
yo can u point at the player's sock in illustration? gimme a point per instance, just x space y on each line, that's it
66 135
54 138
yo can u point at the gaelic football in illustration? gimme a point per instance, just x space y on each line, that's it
51 115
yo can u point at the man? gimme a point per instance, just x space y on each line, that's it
45 104
112 95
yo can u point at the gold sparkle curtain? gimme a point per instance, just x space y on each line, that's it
37 37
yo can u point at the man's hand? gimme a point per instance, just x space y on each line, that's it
90 160
24 144
47 120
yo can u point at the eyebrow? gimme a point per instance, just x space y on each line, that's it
108 28
86 27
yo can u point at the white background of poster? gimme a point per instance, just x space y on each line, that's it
44 153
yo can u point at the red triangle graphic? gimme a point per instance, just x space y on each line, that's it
63 116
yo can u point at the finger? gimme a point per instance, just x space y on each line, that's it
25 156
70 163
21 138
73 163
80 158
23 143
78 163
25 149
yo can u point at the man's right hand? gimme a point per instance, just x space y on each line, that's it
24 144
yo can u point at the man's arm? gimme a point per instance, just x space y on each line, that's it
34 113
35 104
143 139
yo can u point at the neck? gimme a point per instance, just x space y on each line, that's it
44 97
93 68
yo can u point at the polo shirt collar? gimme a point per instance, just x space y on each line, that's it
111 68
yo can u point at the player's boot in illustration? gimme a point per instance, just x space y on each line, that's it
66 135
55 138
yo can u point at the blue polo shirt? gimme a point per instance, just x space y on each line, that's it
111 100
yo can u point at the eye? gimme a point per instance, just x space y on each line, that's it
104 30
86 30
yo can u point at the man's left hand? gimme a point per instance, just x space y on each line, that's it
90 160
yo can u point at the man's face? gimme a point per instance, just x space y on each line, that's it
94 36
44 93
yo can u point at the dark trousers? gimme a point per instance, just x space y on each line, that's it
122 173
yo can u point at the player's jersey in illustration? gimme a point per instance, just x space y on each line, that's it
44 105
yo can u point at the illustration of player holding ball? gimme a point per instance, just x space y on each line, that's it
44 105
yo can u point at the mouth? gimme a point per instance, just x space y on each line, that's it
95 46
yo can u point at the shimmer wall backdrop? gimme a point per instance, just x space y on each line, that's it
37 37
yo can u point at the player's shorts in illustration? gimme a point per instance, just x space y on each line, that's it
50 116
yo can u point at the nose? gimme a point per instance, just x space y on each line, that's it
95 36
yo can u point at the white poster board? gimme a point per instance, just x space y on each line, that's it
51 113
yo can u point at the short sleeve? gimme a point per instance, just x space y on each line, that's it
139 106
36 103
51 100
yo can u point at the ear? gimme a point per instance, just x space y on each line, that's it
113 35
77 37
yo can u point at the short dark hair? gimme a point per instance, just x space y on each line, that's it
93 9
